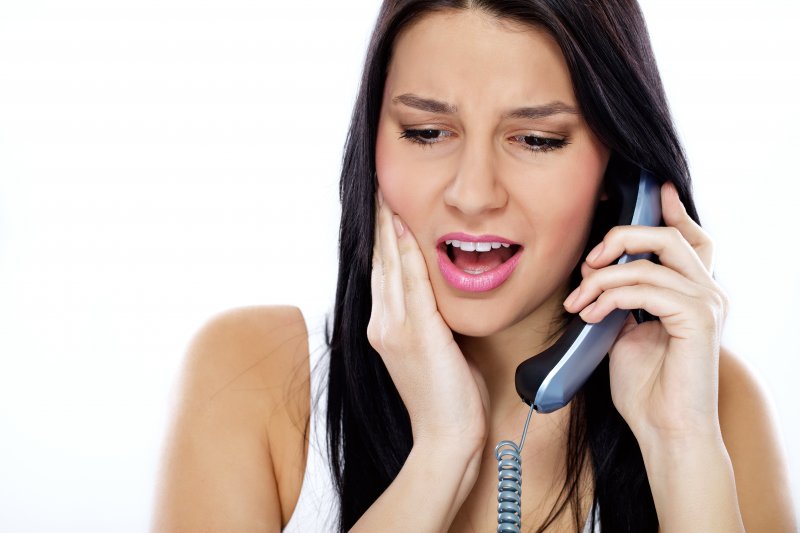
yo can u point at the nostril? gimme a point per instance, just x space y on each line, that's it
477 196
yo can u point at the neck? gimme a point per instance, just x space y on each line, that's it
497 356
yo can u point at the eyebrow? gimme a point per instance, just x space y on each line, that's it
532 112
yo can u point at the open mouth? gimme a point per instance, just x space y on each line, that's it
475 258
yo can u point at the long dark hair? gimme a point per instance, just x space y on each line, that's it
619 92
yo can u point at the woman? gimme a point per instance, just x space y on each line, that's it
490 126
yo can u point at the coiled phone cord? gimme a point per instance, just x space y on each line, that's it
509 487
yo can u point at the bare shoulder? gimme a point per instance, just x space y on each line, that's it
750 431
235 454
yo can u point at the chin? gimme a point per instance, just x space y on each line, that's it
483 318
474 324
472 329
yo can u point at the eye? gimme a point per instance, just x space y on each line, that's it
536 143
425 136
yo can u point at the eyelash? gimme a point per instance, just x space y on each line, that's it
544 144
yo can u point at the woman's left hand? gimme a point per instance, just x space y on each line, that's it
664 374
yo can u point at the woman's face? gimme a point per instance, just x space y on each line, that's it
480 134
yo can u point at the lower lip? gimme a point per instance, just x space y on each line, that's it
491 279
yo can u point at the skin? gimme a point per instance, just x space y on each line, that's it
474 175
480 177
236 453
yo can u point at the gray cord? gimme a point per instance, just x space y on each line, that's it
509 487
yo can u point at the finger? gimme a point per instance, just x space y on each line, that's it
681 315
392 284
378 202
419 299
635 273
675 215
376 276
376 327
667 243
376 248
586 269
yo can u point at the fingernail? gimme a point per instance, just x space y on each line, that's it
398 226
380 197
573 296
587 310
594 254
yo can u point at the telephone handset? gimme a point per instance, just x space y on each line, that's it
549 380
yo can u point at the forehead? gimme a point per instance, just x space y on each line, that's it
468 57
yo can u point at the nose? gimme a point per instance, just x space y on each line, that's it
475 188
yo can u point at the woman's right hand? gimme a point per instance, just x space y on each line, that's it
445 395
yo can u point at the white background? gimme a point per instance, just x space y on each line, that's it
164 160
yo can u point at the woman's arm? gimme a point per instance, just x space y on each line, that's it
426 494
692 483
704 484
753 441
217 469
691 408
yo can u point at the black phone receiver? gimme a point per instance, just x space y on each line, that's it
549 380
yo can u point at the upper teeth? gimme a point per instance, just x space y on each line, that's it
477 246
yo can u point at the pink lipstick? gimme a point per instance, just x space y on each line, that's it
476 263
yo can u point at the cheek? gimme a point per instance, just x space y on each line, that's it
571 208
570 227
399 179
389 172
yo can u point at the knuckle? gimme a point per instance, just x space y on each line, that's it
721 300
404 251
702 234
645 265
597 281
715 295
674 233
606 298
409 287
726 302
388 264
708 315
408 250
613 234
373 334
379 337
589 280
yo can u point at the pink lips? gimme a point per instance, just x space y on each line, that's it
486 281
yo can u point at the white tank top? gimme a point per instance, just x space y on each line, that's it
317 507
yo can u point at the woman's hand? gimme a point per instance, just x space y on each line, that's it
446 397
664 374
